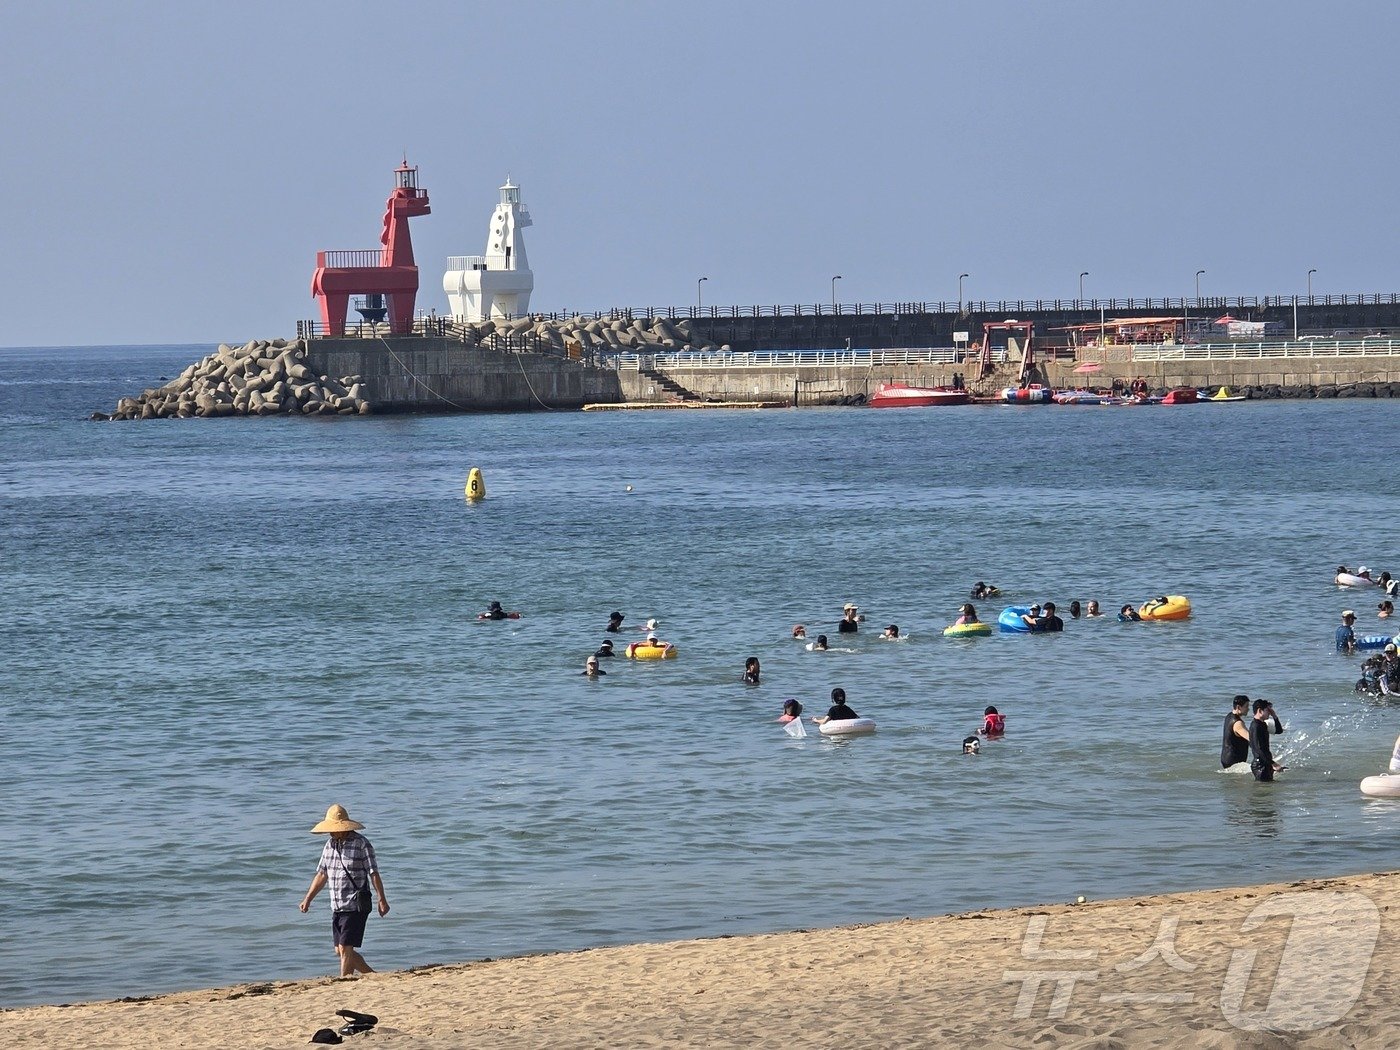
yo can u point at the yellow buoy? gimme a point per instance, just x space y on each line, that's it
476 485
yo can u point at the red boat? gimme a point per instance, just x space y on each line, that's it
897 395
1183 395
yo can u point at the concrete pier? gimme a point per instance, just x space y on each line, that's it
438 374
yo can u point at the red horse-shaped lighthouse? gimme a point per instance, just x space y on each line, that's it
389 272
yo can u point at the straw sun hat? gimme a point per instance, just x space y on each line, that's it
336 820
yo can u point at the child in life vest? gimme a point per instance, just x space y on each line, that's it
993 724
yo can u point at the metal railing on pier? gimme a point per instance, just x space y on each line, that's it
791 358
1302 348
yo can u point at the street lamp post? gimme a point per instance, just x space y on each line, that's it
838 277
960 281
1081 284
1310 273
1198 286
698 304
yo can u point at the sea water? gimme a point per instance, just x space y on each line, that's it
214 629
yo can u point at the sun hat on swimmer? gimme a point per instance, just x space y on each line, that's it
336 820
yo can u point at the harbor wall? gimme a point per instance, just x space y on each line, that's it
822 328
816 385
437 374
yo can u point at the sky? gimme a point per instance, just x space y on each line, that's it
170 168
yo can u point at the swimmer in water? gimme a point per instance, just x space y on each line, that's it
605 650
1128 614
494 612
983 590
819 646
891 633
839 711
993 724
967 614
799 631
591 668
751 671
1093 610
850 620
614 623
1029 618
971 746
1074 610
791 709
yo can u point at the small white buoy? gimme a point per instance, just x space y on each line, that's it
629 488
1080 899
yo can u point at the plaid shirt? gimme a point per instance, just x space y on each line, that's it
347 863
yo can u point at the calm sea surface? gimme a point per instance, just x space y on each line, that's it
211 630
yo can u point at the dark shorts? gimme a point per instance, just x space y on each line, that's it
1261 771
348 927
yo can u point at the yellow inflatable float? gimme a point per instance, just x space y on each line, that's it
476 485
967 630
651 650
1169 607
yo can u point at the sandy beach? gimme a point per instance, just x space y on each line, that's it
1305 963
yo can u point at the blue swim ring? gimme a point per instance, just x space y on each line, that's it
1010 620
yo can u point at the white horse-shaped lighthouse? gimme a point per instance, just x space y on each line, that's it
499 283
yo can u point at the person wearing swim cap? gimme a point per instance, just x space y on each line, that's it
971 746
839 711
1346 637
1234 741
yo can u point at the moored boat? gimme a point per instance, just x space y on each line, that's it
898 395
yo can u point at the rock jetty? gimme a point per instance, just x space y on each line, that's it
259 378
620 334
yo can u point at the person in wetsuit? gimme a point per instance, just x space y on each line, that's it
1049 621
605 650
1263 765
1234 741
839 711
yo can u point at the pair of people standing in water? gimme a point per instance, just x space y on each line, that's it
1246 737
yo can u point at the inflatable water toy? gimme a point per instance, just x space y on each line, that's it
1223 394
897 395
1350 579
651 651
1010 621
848 727
1086 397
1182 395
1035 394
1373 641
1383 786
967 630
476 485
1172 607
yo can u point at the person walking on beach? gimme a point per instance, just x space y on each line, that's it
348 864
1234 743
1264 767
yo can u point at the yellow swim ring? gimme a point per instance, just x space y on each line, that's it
651 651
967 630
1170 607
